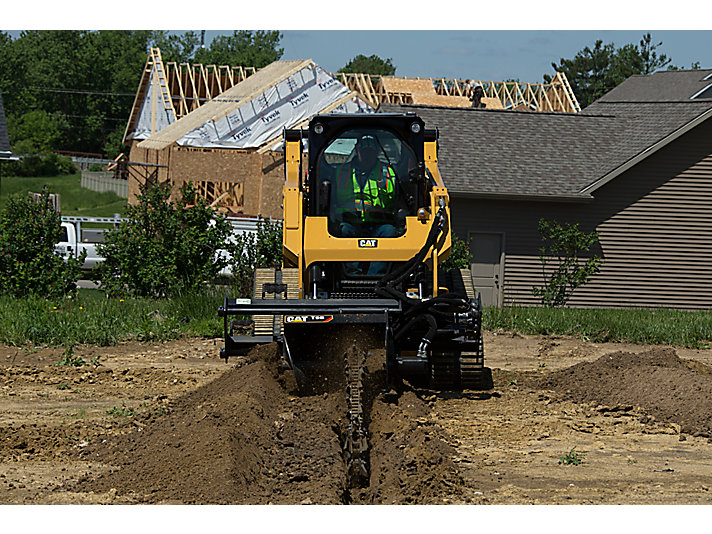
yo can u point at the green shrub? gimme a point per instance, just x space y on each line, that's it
40 164
163 249
28 265
460 256
563 247
252 250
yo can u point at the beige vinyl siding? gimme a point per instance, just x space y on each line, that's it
654 224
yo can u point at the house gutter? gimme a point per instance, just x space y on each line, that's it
534 197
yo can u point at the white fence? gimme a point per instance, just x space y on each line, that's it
102 181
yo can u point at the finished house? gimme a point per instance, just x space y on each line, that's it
635 166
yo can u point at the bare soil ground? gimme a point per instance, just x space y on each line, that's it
171 423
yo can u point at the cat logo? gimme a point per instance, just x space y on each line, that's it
367 243
308 318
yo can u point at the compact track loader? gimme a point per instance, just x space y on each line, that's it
364 266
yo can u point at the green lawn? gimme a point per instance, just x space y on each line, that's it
74 200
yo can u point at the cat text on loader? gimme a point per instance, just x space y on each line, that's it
366 225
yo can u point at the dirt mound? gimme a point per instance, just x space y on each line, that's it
239 439
248 438
666 387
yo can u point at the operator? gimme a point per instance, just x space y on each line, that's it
365 199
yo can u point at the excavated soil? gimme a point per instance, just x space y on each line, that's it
657 381
171 423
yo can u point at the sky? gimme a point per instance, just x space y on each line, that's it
486 41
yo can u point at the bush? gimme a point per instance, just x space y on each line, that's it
163 249
460 256
28 232
40 164
252 250
563 246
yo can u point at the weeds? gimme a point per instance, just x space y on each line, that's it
572 457
124 411
70 360
63 386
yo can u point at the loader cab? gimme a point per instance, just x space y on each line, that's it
366 173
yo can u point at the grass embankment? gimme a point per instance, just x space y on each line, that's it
92 318
644 326
74 199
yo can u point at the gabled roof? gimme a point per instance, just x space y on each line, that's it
256 110
565 155
4 139
663 86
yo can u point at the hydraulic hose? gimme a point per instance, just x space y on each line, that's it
397 276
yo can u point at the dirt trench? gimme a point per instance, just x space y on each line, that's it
247 437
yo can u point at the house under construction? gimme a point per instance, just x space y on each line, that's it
227 143
220 127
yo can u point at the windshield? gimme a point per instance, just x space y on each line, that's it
365 173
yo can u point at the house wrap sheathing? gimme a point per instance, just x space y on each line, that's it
228 147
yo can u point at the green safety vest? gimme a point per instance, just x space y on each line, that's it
372 204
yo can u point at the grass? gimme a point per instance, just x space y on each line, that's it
93 319
644 326
74 199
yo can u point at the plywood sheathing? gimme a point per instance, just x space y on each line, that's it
226 102
491 103
138 174
261 177
406 85
441 100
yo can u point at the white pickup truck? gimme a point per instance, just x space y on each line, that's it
76 239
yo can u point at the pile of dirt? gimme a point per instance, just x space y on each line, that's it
240 439
665 386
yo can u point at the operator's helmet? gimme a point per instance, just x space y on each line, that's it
366 142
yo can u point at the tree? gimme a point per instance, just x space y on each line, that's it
251 250
595 71
695 65
244 47
460 256
370 65
563 268
649 55
163 249
180 48
28 232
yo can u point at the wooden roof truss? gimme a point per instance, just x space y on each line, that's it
193 85
554 96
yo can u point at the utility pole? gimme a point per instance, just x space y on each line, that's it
202 38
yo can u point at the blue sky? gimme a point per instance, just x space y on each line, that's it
489 41
488 55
